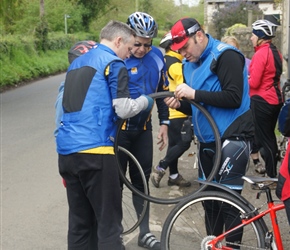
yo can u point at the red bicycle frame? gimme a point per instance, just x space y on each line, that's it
272 210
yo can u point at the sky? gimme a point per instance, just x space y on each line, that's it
190 3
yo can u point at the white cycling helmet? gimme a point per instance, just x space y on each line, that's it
264 29
166 40
143 24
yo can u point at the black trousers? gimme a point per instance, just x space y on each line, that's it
265 119
94 199
140 144
233 165
176 146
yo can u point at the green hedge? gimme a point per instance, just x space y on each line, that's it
20 61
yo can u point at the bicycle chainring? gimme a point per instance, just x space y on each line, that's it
205 243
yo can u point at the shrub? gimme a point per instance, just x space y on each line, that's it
20 59
229 31
232 13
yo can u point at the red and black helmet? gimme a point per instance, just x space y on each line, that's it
79 49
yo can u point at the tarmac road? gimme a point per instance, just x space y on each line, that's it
33 200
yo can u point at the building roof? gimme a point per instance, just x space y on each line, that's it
224 1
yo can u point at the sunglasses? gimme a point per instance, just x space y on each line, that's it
182 35
146 45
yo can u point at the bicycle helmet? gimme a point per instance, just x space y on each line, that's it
143 24
166 41
80 48
264 29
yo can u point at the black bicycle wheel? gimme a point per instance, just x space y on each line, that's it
185 227
199 188
130 219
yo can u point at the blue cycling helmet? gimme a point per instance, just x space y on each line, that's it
143 24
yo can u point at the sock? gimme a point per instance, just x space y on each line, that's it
160 169
161 165
173 176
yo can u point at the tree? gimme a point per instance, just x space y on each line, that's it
146 6
232 13
41 8
23 16
41 30
92 10
9 14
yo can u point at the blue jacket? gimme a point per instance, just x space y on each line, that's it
200 76
89 118
147 75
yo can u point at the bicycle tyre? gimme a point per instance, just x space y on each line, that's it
184 227
215 168
130 220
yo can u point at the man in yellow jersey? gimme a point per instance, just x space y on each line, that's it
176 145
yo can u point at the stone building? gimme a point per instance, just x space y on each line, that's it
267 6
270 10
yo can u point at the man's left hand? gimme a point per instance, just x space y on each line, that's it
162 137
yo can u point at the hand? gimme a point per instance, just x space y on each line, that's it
150 103
183 90
172 102
162 137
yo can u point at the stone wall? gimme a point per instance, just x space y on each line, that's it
244 34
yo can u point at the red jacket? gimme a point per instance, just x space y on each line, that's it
264 73
283 186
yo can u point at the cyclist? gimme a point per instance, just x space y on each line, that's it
283 185
232 40
147 75
95 95
266 96
176 146
259 167
74 52
216 76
